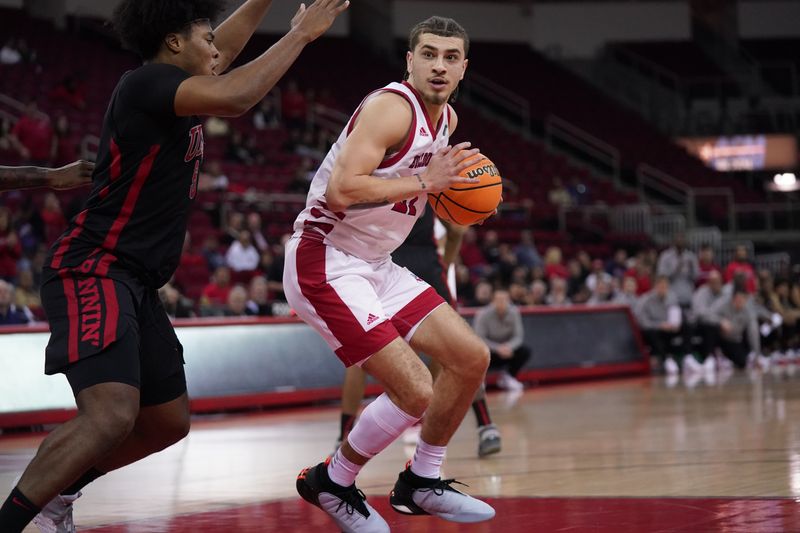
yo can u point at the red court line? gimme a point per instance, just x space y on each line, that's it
576 515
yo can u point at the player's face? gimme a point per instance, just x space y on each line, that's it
436 66
202 54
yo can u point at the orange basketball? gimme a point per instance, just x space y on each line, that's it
468 203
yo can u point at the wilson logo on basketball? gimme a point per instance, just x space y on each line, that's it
489 170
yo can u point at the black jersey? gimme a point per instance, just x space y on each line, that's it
134 221
420 254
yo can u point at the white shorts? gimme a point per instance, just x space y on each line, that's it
358 307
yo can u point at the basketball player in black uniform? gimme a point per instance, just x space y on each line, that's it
67 177
110 334
419 253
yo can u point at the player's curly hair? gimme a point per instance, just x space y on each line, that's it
143 24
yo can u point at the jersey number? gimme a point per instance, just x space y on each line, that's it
406 207
193 188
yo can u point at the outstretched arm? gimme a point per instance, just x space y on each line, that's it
73 175
232 35
232 94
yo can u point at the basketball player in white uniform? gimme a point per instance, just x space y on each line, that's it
340 279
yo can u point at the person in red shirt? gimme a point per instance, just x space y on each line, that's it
553 266
54 221
705 259
10 248
32 136
294 107
64 147
740 266
69 92
215 294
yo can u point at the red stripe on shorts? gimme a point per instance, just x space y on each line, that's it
415 310
112 311
72 315
357 344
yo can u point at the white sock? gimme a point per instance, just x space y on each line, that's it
379 425
341 470
427 461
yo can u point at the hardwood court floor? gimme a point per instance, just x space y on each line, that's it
625 455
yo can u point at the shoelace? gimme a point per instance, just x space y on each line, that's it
351 499
441 486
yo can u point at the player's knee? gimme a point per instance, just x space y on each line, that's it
478 361
416 398
177 429
115 422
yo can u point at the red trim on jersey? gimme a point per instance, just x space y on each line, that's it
65 241
104 264
412 133
72 315
115 169
112 311
130 200
416 310
357 344
352 123
326 228
425 111
339 214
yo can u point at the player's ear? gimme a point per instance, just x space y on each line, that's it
174 42
466 64
409 62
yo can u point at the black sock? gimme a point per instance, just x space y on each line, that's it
87 477
418 482
481 412
17 512
345 425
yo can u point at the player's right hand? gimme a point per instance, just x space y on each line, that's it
314 20
446 165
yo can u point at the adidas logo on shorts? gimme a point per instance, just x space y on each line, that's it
371 318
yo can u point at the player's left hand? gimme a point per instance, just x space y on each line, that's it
71 176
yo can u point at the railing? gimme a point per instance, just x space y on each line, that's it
328 118
654 181
666 227
772 218
560 133
511 106
778 262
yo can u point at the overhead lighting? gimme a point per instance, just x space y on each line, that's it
786 182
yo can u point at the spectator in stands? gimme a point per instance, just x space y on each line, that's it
506 264
236 304
597 275
213 178
176 305
254 226
738 328
483 294
558 296
741 265
706 299
69 92
216 127
255 151
659 317
233 227
602 293
538 292
259 304
189 257
275 271
642 271
242 255
10 314
579 192
471 254
215 294
628 295
32 136
237 151
790 315
618 265
575 280
519 294
9 53
26 294
553 267
585 260
53 219
266 116
559 196
10 248
500 326
706 264
294 107
64 148
526 251
210 250
679 264
464 287
521 275
309 146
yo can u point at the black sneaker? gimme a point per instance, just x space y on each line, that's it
346 505
415 495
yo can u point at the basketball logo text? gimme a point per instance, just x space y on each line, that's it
195 143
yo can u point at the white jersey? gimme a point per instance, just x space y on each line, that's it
373 233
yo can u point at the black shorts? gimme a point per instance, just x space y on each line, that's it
426 265
103 330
